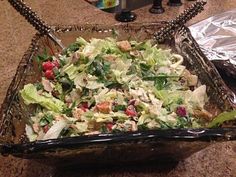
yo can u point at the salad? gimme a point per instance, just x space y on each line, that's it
109 86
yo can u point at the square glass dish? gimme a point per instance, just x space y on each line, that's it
140 146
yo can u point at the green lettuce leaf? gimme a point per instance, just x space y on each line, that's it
168 97
81 41
71 70
154 56
31 96
221 118
98 46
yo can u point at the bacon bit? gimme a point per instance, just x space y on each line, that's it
181 111
104 107
130 111
109 126
124 46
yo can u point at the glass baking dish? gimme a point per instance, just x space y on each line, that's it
141 146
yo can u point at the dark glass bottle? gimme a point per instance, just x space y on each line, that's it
174 3
125 15
157 7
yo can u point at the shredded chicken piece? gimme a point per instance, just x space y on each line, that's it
47 85
77 112
110 57
75 57
140 93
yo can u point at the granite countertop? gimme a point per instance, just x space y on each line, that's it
217 160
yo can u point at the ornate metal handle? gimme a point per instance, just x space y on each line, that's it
34 20
30 16
169 29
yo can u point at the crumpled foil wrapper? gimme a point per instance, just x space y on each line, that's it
216 37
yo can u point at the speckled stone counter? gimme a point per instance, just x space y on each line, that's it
217 160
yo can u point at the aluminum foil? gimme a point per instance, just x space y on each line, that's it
217 36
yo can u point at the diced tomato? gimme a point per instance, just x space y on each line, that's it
130 111
104 107
109 126
49 74
48 65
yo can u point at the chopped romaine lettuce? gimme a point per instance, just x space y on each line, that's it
71 71
31 96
